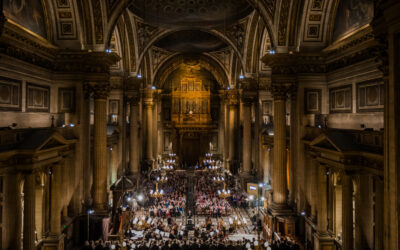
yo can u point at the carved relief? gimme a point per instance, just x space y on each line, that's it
98 21
37 98
270 6
283 21
144 33
341 99
370 96
10 94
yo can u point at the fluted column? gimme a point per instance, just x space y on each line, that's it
233 108
29 212
294 139
279 180
85 141
134 136
347 212
148 123
246 137
101 91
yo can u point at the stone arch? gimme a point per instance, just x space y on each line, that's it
206 62
165 33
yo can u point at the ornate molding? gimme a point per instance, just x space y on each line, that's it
232 97
286 64
280 91
86 62
100 90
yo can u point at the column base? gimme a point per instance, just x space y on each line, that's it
323 241
53 242
280 209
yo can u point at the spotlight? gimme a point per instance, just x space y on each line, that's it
140 197
272 52
228 88
303 213
260 185
153 87
90 211
111 149
139 76
241 77
128 199
72 125
251 197
108 50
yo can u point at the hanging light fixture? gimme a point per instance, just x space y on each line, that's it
157 193
224 193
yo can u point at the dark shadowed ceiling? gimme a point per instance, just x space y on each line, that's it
191 13
191 41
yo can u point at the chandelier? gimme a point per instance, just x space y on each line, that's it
218 179
224 193
162 179
157 193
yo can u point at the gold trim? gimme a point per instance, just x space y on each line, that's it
39 37
351 34
46 20
347 38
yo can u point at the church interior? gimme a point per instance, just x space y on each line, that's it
199 124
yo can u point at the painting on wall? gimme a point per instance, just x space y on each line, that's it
341 99
37 98
66 100
352 15
27 13
370 96
10 94
312 98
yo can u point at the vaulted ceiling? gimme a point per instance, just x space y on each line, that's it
234 34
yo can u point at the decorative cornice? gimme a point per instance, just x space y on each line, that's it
85 61
284 64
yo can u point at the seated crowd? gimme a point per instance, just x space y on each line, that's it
154 226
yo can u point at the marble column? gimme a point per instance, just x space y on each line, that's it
347 212
85 142
101 91
232 134
221 127
29 212
134 136
246 137
148 124
279 180
293 142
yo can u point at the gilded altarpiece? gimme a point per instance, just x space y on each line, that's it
191 102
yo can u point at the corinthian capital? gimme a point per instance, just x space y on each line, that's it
100 90
280 91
